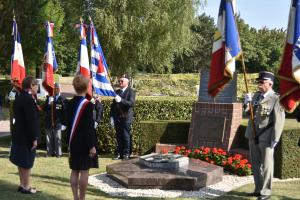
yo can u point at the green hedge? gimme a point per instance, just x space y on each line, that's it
170 132
147 108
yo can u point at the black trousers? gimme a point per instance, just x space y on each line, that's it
123 138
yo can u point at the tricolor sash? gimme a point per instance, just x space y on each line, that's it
83 103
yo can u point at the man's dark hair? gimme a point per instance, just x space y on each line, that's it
28 81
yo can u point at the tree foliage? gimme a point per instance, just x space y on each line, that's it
158 36
199 53
31 16
262 48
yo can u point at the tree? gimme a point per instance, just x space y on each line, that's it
199 54
262 48
144 35
31 16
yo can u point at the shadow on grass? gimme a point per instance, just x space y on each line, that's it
8 191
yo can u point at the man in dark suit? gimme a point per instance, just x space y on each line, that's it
55 108
122 117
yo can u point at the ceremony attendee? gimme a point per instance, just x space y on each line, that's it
25 133
55 108
81 137
98 110
269 120
122 117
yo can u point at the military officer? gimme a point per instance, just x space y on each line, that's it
55 108
269 119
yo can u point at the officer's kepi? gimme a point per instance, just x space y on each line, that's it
266 76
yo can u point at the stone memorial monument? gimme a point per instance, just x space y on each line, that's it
215 121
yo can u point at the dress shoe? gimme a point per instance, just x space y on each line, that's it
118 157
253 194
126 157
264 197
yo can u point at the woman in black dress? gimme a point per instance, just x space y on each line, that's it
81 137
25 132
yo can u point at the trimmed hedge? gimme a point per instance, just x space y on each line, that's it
171 132
146 108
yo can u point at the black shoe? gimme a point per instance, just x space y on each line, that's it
264 197
253 194
126 157
118 157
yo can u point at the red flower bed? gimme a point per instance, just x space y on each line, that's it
233 163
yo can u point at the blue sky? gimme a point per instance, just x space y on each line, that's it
256 13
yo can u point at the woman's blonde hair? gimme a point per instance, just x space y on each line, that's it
80 84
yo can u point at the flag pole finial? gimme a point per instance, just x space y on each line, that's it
14 16
81 20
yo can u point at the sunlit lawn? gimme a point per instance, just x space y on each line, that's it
51 177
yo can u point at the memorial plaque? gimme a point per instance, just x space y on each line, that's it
227 95
208 129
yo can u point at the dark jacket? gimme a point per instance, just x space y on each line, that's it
26 124
84 136
98 111
123 111
59 112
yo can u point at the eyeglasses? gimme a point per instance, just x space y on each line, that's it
120 81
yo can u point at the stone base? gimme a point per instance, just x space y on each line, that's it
215 125
193 176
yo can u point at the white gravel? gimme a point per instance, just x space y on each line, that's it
109 186
230 182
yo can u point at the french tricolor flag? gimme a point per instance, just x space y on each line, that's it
289 72
17 61
50 63
83 58
99 68
226 48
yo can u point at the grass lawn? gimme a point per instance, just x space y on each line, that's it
51 177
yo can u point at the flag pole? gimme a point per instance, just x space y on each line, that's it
250 104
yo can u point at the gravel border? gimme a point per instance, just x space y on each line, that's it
111 187
230 182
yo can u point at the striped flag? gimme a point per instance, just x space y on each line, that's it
226 48
99 69
83 58
289 72
50 64
17 61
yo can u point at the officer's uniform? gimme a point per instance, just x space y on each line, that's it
54 126
269 119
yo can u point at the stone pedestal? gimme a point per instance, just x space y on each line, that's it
214 124
193 176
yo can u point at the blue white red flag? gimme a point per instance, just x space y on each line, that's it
50 63
17 61
289 72
99 68
83 58
226 48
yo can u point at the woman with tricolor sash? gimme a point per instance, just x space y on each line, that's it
82 138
